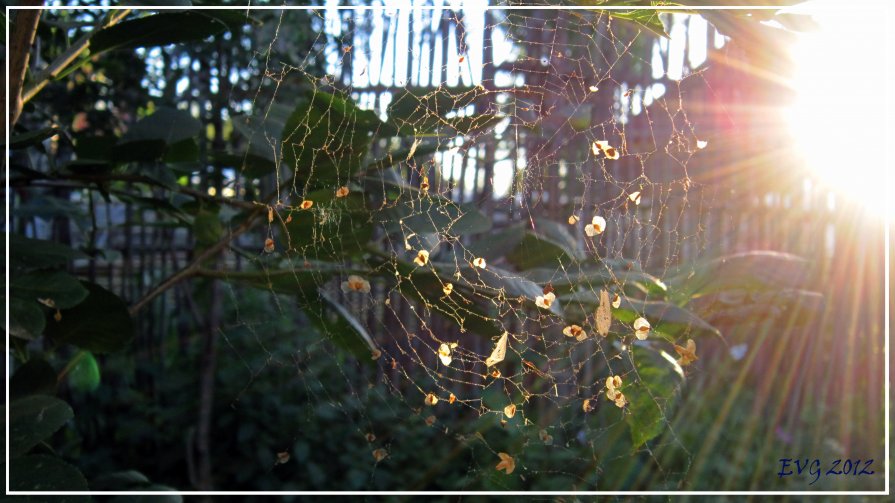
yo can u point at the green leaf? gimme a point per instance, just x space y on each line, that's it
26 319
27 254
795 308
666 319
119 481
419 110
399 156
647 19
498 244
41 472
549 244
413 103
95 147
567 280
83 373
34 377
751 271
248 164
652 398
167 132
33 419
165 28
25 140
299 280
63 288
339 325
433 214
460 308
49 207
100 324
207 228
262 132
182 153
498 284
332 228
169 125
326 139
89 167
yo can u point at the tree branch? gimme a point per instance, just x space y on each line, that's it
194 267
23 31
66 58
191 269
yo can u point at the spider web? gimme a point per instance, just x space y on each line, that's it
556 82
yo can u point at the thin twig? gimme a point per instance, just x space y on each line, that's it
193 267
66 58
88 179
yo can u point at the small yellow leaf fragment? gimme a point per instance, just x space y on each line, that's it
603 146
306 204
269 245
452 398
546 300
641 328
510 410
356 284
422 258
380 454
448 288
507 463
620 400
342 191
444 354
604 314
574 331
613 383
688 353
616 301
479 262
634 197
573 219
431 399
597 226
500 351
588 405
269 214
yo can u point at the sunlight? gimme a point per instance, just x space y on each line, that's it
838 117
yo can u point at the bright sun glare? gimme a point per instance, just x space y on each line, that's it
838 119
